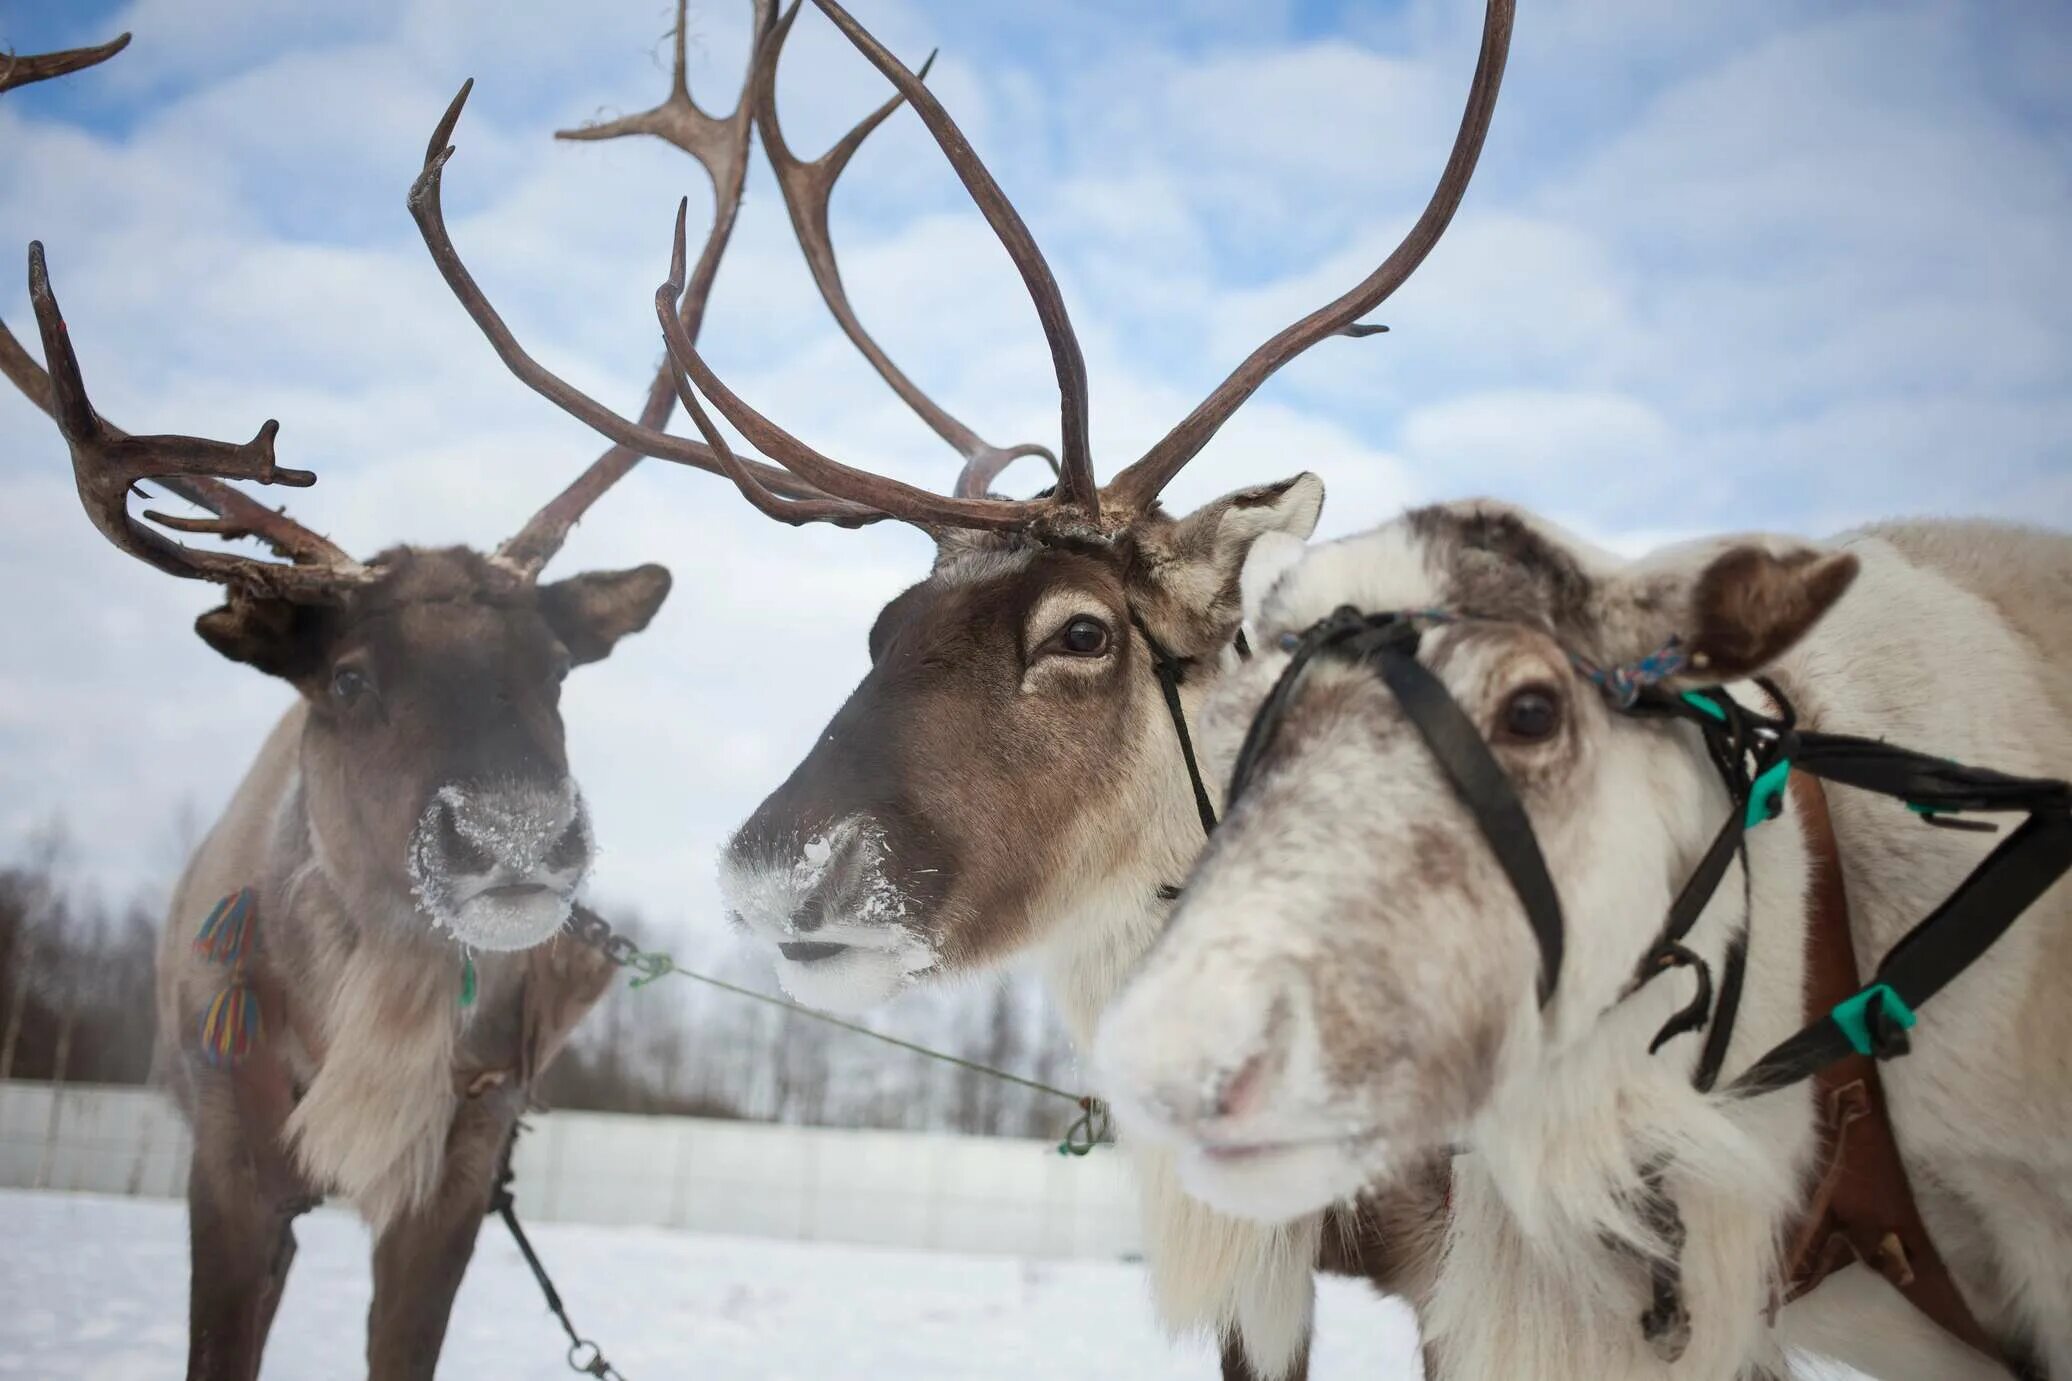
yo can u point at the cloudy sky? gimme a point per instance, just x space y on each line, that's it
1725 265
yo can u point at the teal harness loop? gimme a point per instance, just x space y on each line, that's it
1766 792
1876 1005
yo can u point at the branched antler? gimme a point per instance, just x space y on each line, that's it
813 487
720 144
640 438
807 188
107 462
677 337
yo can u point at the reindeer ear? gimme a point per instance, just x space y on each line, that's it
1195 601
276 636
592 611
1734 604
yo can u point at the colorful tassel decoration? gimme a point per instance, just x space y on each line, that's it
467 981
226 934
231 1025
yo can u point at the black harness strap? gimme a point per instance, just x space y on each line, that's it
1479 781
1388 644
584 1356
1172 671
1945 943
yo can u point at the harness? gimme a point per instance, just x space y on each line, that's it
1755 755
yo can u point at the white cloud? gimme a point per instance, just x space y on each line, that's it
1719 271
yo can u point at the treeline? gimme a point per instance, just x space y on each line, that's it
75 980
76 1004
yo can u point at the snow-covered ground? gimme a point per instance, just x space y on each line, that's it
95 1289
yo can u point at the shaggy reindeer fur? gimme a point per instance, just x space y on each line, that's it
1349 983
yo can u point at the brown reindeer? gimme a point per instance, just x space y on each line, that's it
395 867
1035 676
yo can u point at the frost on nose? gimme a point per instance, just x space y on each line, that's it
520 830
498 864
835 880
847 936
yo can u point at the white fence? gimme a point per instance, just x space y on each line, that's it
903 1189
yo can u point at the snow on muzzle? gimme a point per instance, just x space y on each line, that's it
498 863
846 932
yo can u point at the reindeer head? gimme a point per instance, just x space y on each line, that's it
1009 753
1009 749
1352 973
433 767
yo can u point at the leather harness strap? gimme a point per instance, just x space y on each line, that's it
1862 1208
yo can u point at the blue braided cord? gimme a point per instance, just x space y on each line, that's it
1623 683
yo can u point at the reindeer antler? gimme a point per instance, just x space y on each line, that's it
1076 509
807 188
813 487
677 337
1142 481
632 439
18 70
720 144
107 462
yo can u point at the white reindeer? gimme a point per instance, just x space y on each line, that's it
1350 981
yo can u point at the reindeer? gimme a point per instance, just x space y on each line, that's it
1370 963
360 978
1038 673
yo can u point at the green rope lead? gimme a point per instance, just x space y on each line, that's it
1088 1130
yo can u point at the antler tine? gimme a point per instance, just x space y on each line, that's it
808 187
247 518
830 478
640 438
1076 486
20 71
1142 481
676 335
106 462
720 144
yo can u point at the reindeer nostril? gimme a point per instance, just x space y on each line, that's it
461 854
1241 1092
572 850
810 916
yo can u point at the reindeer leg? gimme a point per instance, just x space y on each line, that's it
242 1197
277 1277
421 1257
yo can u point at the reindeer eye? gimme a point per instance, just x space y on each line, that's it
1531 715
558 665
1084 637
349 684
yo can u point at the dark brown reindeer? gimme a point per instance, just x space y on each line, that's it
395 866
1022 680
